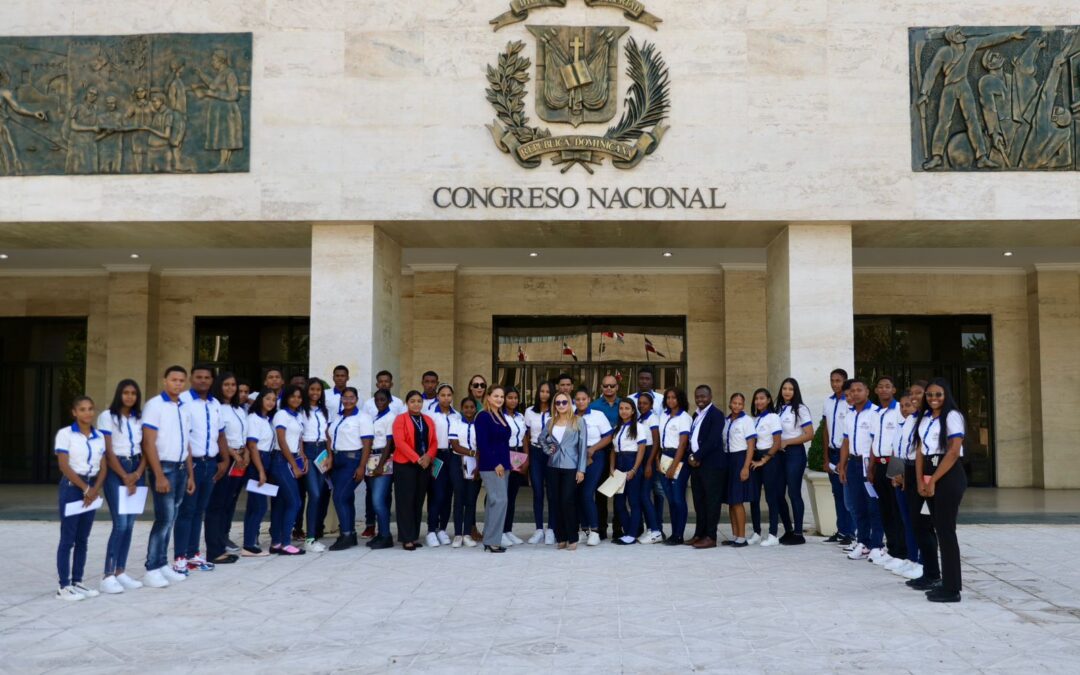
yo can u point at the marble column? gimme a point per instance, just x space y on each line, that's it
434 289
745 337
1054 313
810 308
131 343
355 302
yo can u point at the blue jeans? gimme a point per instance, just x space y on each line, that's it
628 504
166 507
257 505
189 523
773 480
646 488
74 533
659 498
794 463
845 526
219 512
675 491
344 492
466 492
909 530
123 526
287 503
538 461
379 489
864 509
438 496
315 484
594 472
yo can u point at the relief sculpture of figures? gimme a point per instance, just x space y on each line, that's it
995 99
125 104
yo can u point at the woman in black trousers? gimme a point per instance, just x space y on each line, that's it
564 442
941 481
415 447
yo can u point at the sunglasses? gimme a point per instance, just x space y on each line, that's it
562 403
478 385
609 386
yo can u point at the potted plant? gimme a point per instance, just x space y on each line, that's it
820 489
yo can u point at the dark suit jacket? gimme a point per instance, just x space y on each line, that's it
711 439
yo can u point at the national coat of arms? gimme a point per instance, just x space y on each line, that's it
577 70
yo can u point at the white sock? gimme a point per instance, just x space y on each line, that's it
739 540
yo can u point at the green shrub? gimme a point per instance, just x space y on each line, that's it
815 457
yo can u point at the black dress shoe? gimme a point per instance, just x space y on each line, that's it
933 588
494 549
942 595
740 544
923 583
786 537
794 540
728 542
379 543
844 541
353 539
674 541
835 539
340 544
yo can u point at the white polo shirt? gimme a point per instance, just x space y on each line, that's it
125 432
382 425
835 412
235 420
84 452
536 421
464 433
444 424
349 431
517 425
886 430
623 442
767 428
206 423
930 433
650 422
657 401
672 427
737 432
430 404
396 407
169 418
905 440
294 428
261 432
315 424
792 425
597 426
860 428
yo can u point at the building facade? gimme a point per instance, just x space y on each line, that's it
411 194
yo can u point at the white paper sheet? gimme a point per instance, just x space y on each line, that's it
267 489
75 508
614 485
131 505
666 462
870 490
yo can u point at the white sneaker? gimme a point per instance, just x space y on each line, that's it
457 542
582 537
755 539
315 546
549 537
127 582
593 539
506 542
878 556
171 575
69 594
650 537
180 566
770 540
110 585
514 538
895 564
469 541
84 591
850 547
155 579
860 552
444 538
537 538
431 540
913 571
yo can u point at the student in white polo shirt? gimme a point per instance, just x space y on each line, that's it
261 442
675 425
219 512
440 491
80 453
463 475
882 449
536 419
166 433
854 456
766 470
287 467
598 439
651 508
384 380
349 443
122 428
739 441
379 471
832 426
333 396
628 456
429 390
210 461
796 431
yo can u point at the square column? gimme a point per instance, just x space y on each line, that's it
1054 314
433 324
355 302
131 345
809 302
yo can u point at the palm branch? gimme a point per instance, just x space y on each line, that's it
647 98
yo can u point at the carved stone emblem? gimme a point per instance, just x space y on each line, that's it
175 103
577 70
995 99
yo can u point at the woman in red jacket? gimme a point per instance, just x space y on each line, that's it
415 447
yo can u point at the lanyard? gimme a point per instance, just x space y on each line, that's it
832 427
180 419
926 434
881 425
619 437
855 428
240 420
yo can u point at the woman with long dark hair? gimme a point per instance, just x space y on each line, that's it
516 477
122 428
598 435
797 429
766 470
226 389
261 442
628 455
415 448
536 418
287 466
316 423
941 481
651 505
675 426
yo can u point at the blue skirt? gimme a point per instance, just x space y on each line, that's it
739 491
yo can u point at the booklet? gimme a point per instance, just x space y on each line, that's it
373 463
131 505
268 489
436 467
517 460
321 461
614 485
666 462
75 508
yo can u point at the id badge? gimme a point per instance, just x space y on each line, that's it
934 460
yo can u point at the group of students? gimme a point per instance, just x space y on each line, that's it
198 447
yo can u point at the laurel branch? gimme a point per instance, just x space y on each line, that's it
506 92
647 99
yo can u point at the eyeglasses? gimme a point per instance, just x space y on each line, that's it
935 394
478 385
609 386
562 403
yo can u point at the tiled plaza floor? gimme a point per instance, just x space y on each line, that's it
648 609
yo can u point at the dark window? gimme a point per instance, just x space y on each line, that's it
248 345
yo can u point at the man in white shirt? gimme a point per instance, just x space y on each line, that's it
166 432
333 395
883 447
832 429
384 380
646 380
854 456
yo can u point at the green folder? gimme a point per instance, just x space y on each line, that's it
436 467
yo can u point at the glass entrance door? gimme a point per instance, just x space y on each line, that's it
958 348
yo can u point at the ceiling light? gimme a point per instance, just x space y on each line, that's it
134 256
3 256
533 254
1007 254
667 254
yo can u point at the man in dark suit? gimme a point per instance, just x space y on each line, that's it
708 468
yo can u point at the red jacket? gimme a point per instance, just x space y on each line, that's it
405 451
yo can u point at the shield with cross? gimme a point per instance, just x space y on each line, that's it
577 69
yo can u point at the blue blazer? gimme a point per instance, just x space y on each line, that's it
711 439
